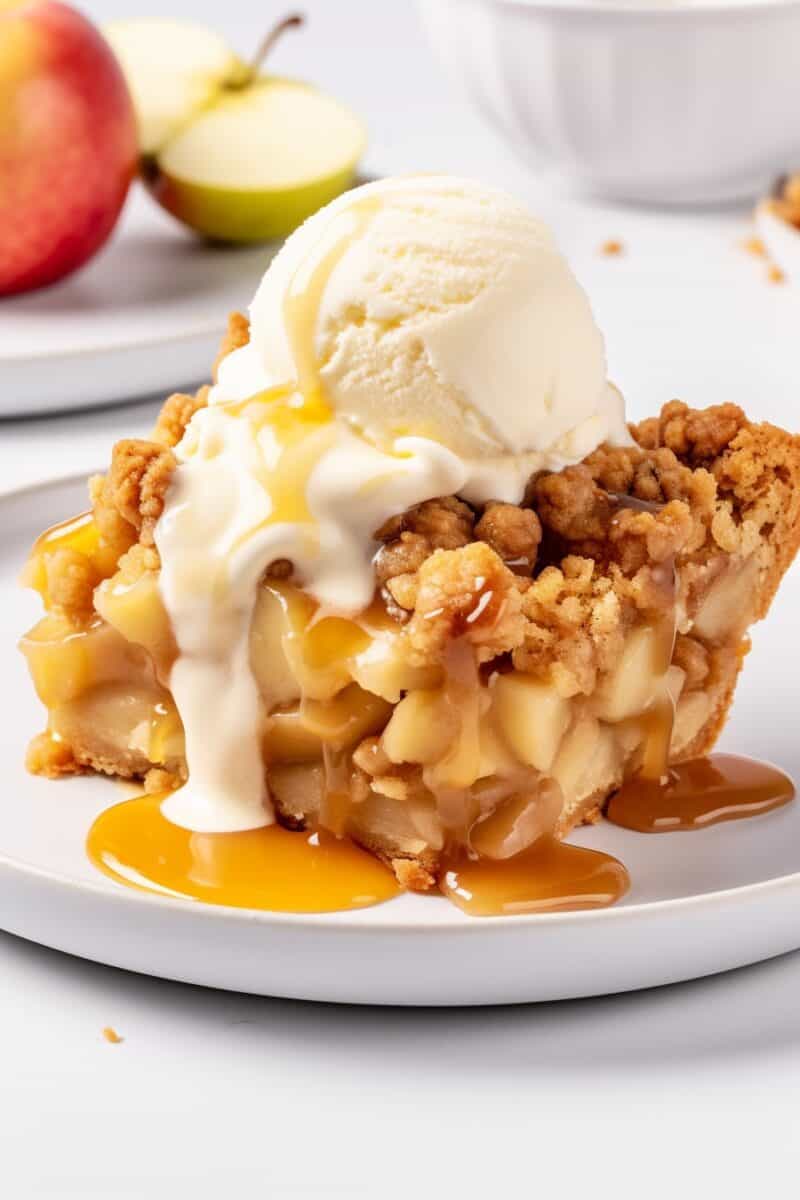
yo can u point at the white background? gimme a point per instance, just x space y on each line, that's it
691 1090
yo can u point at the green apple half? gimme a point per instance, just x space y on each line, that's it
234 154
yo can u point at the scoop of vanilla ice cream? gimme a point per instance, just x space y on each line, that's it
451 315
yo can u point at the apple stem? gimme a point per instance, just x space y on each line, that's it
292 21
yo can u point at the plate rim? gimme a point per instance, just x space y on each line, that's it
352 920
211 328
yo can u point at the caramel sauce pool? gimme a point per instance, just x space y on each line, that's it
277 870
551 876
698 793
269 868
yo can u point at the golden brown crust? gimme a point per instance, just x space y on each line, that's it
760 473
51 758
727 674
412 875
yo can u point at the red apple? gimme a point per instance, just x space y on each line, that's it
68 148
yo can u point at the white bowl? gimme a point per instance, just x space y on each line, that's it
672 104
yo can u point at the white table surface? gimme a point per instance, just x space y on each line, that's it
688 1090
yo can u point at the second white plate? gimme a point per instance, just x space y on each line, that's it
700 902
144 317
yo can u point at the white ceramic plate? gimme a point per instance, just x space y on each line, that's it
144 317
700 902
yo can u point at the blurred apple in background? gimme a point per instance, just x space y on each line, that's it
234 154
68 147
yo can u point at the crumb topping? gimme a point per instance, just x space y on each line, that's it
467 593
513 533
71 580
236 335
175 415
137 484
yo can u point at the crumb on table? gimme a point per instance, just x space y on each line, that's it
755 246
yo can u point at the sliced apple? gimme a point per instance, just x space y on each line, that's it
236 155
532 716
422 728
259 161
173 69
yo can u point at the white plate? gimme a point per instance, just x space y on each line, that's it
145 316
700 902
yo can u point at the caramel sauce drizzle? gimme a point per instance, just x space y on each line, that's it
336 792
699 793
76 533
306 289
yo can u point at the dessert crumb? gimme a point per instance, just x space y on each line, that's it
754 245
111 1035
612 248
775 274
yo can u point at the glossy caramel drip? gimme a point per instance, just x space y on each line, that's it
300 434
336 791
658 720
306 289
551 876
269 868
698 793
76 533
656 724
297 412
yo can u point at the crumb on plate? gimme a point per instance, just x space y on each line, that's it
754 245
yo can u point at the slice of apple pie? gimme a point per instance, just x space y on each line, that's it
422 627
504 677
